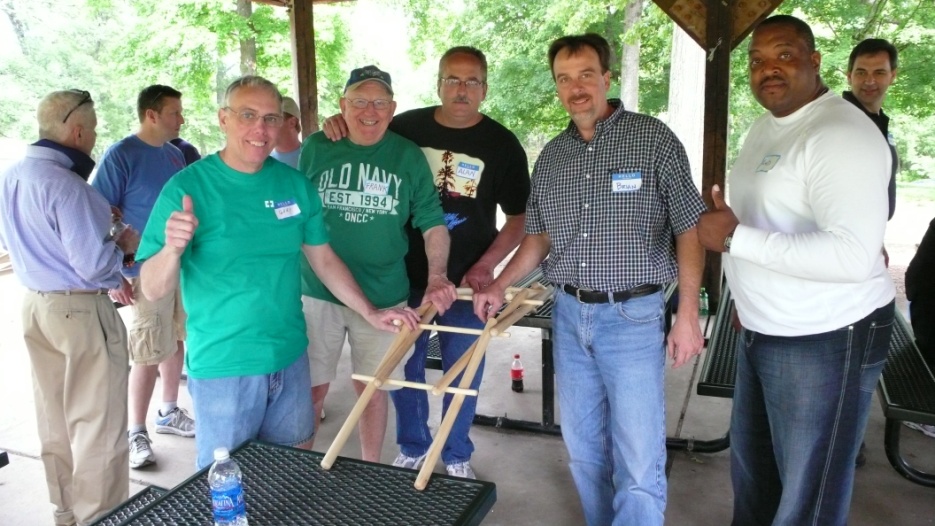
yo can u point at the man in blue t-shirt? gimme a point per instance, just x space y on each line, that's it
131 176
289 144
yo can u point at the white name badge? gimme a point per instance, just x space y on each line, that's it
467 170
286 209
768 163
376 187
626 182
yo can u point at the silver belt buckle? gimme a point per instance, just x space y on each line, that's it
578 295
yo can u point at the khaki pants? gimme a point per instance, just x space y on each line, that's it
78 348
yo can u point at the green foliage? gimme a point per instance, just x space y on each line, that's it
113 48
124 46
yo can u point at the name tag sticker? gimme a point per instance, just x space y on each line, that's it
286 209
626 182
376 187
467 170
768 163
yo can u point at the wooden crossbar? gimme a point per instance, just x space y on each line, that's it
521 301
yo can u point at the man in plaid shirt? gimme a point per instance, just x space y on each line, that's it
609 195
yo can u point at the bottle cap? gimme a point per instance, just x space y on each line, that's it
516 357
221 453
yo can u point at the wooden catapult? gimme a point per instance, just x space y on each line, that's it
521 301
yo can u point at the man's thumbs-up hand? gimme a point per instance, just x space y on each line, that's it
716 224
180 228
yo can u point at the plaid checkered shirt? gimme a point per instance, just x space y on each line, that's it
611 206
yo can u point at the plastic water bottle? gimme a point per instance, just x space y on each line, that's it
516 374
227 500
703 303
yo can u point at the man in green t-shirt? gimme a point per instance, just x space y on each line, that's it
371 183
239 262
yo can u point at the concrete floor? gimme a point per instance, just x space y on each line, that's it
534 486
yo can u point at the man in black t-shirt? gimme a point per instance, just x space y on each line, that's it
871 69
478 164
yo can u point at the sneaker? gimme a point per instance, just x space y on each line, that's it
176 422
405 461
926 429
861 455
461 470
141 450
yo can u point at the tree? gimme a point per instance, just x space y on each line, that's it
247 41
630 56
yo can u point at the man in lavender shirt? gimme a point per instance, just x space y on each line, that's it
57 230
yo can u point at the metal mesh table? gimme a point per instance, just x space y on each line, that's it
122 513
285 486
720 362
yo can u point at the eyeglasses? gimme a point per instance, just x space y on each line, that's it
85 99
249 117
453 82
378 104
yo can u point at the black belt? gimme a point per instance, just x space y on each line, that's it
596 296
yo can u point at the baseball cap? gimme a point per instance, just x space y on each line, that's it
289 106
366 73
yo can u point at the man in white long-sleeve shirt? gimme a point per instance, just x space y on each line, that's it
803 240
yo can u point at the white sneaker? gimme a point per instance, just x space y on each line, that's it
461 470
926 429
405 461
177 422
141 450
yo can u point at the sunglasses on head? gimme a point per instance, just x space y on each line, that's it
85 99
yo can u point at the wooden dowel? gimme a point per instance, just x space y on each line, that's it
458 330
345 432
401 344
468 291
537 303
416 385
453 371
441 436
505 322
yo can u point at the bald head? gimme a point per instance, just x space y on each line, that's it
68 118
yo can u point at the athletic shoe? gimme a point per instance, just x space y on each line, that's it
141 450
405 461
926 429
461 470
176 422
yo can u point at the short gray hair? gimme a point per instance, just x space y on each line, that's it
251 81
55 106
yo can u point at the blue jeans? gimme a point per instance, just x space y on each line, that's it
273 407
412 405
609 367
800 408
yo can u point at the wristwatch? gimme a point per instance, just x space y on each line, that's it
727 241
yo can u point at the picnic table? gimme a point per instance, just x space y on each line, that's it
284 485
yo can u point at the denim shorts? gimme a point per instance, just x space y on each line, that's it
273 407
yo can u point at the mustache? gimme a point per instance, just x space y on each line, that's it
771 78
